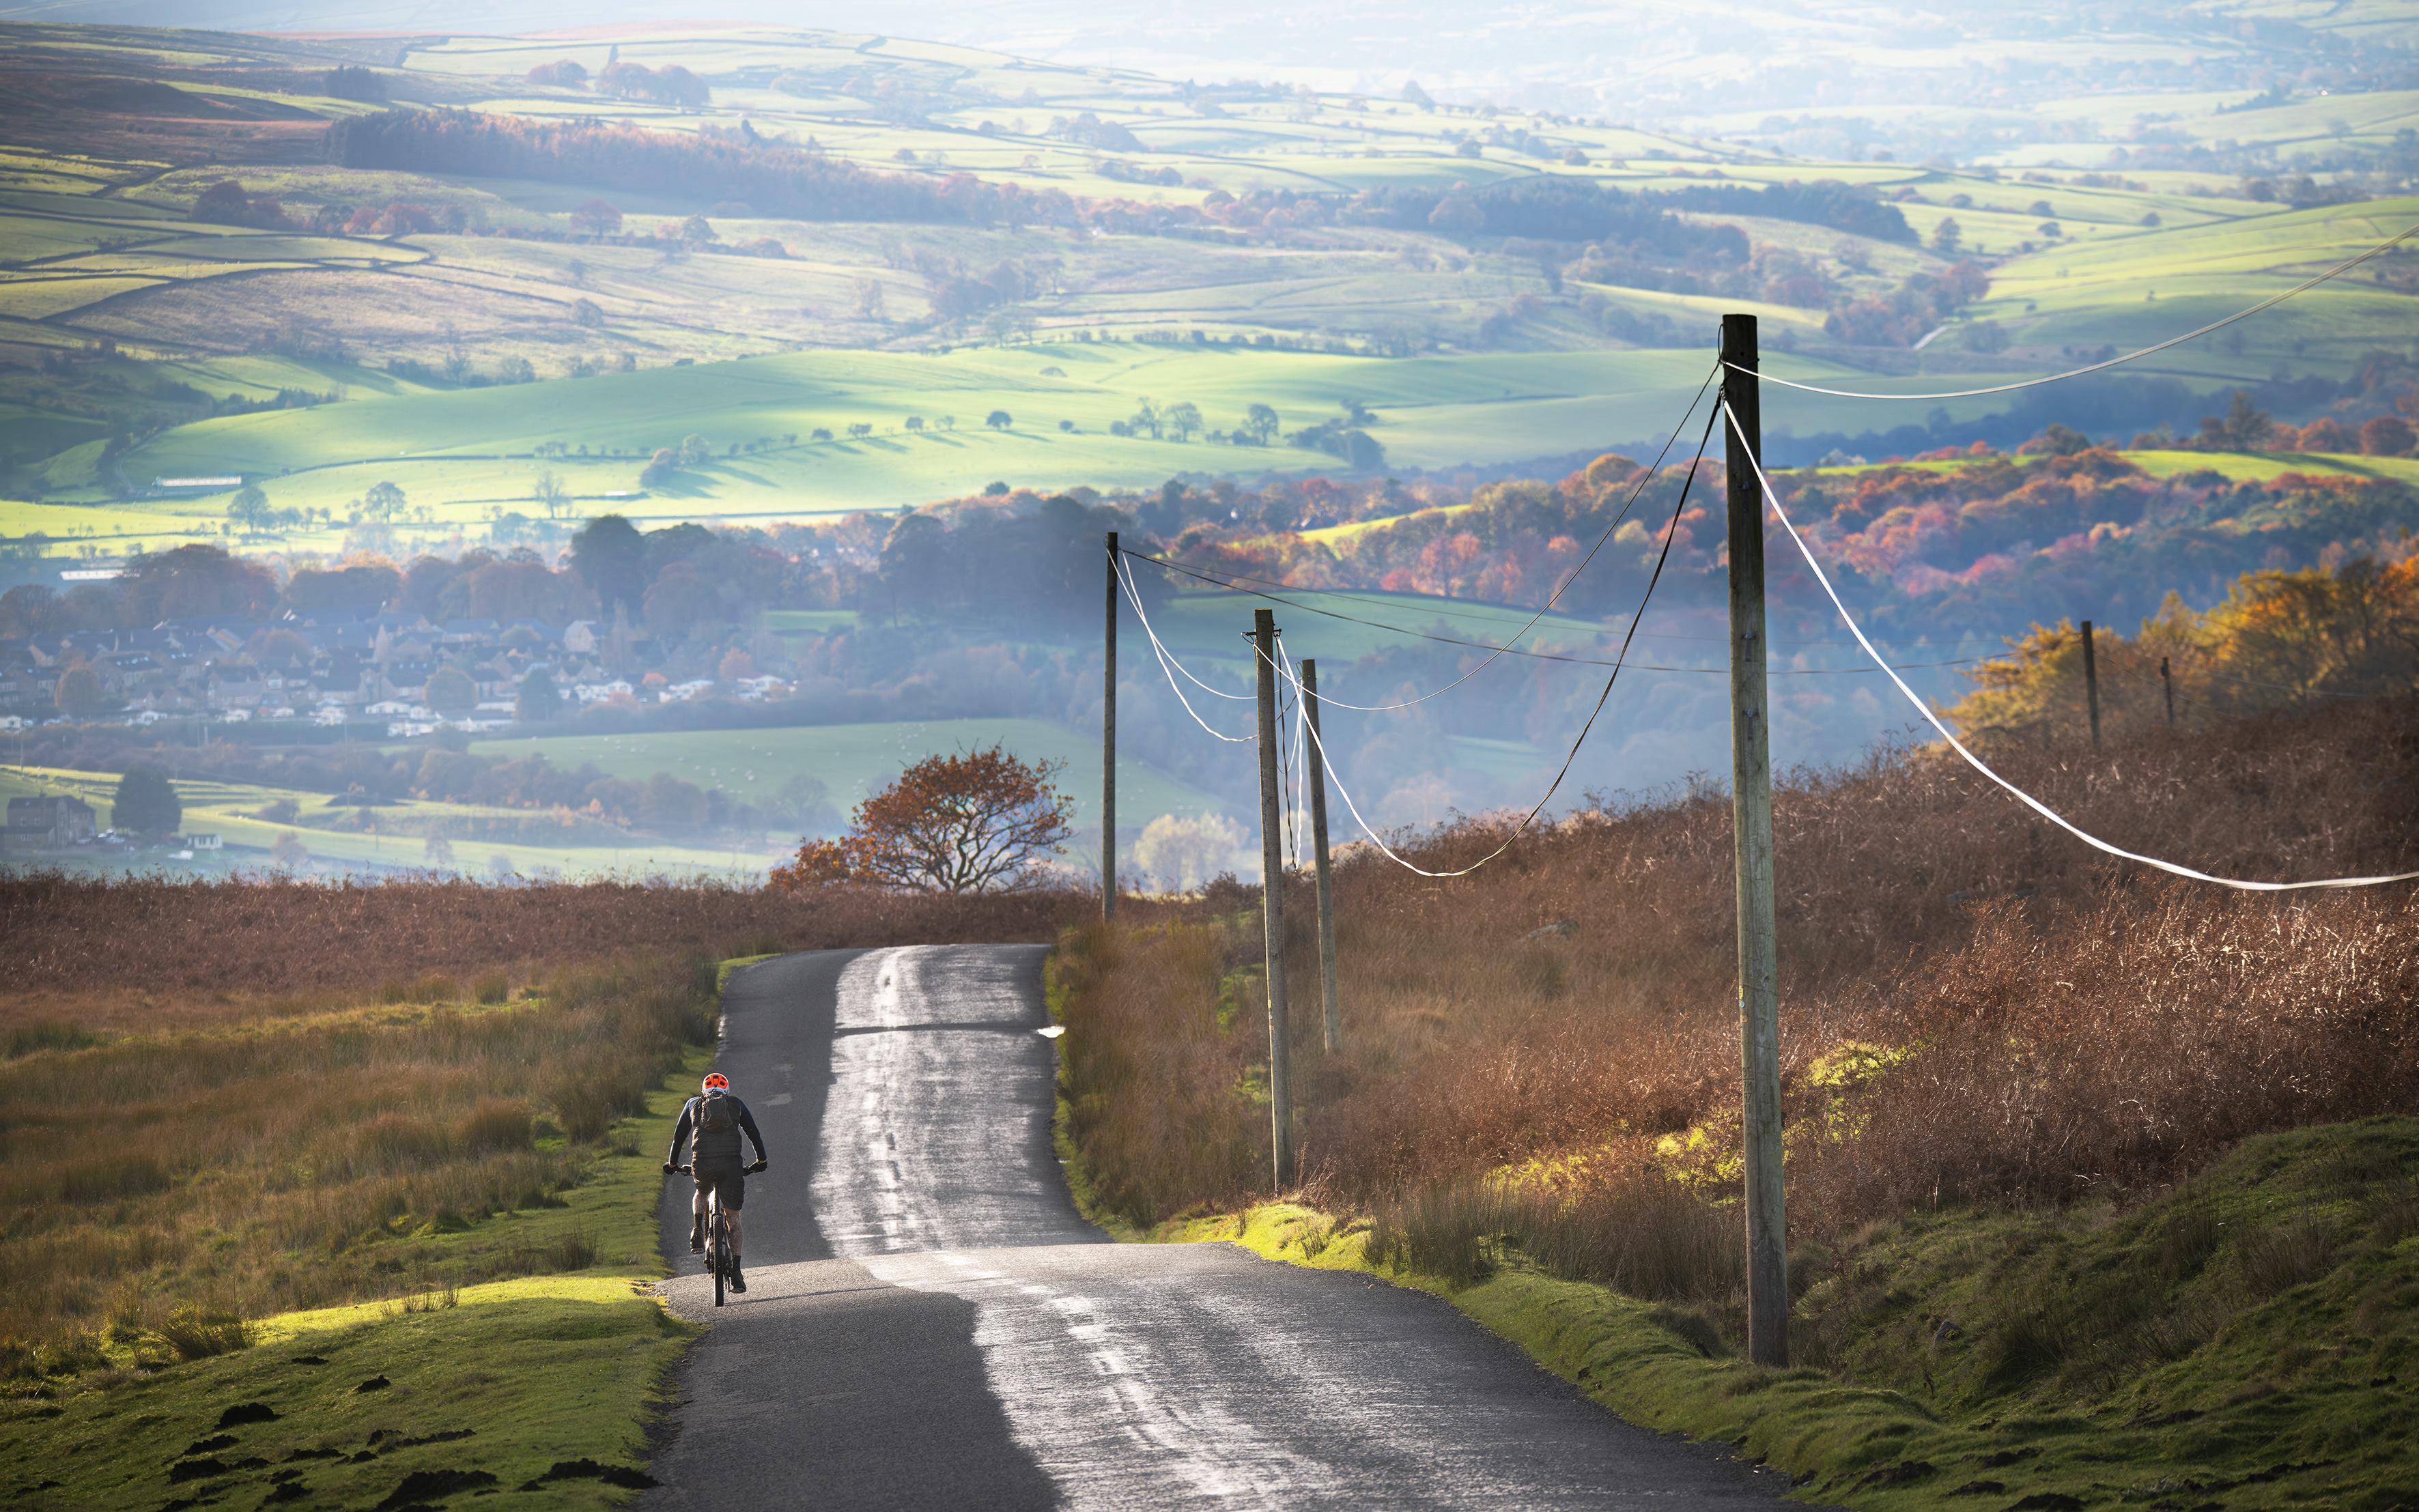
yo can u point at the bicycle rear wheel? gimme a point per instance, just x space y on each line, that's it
718 1254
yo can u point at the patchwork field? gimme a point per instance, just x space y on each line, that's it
853 760
398 839
454 341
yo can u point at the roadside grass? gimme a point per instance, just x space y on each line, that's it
2083 1204
2247 1340
428 1134
545 1385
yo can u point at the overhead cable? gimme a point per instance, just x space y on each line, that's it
1168 666
1133 596
2270 302
1645 475
1773 499
1670 530
1228 578
1509 650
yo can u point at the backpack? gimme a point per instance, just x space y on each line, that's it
713 1115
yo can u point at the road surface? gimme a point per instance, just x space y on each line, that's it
930 1323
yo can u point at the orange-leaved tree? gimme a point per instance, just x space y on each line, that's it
981 820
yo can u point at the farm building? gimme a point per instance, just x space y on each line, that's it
53 821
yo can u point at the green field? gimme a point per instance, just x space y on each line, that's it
2259 466
853 760
1494 363
227 810
464 458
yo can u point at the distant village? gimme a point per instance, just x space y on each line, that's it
371 675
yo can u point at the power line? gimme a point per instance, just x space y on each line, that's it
2269 303
1773 499
1228 578
1671 531
1645 476
1135 596
1510 650
1168 666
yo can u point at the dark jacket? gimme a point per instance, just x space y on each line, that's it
713 1149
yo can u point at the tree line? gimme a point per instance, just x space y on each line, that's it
771 177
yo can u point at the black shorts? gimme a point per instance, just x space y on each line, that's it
729 1182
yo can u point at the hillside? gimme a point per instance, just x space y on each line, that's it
2022 1086
1495 287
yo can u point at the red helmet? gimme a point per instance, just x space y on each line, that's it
717 1082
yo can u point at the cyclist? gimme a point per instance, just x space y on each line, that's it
718 1119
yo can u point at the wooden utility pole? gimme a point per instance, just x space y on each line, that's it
1333 1004
1264 641
1109 745
2167 685
1767 1224
2091 684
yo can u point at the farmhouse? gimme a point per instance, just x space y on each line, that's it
50 822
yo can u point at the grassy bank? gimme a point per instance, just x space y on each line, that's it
543 1383
2082 1202
2246 1341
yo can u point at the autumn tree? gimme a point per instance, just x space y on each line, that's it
597 218
2279 638
979 821
79 692
194 580
450 692
2387 436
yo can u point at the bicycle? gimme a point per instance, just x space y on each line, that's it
719 1260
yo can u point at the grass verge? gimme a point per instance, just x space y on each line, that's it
2248 1340
543 1385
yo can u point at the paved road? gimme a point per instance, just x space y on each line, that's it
929 1323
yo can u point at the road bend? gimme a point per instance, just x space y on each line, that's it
930 1323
